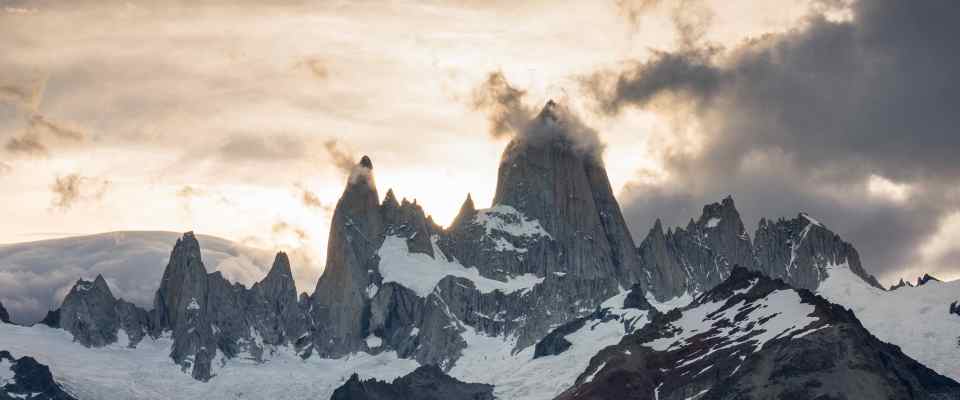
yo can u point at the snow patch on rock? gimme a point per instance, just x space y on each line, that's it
421 273
508 220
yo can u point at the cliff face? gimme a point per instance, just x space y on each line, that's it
801 250
698 257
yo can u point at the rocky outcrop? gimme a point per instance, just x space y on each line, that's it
698 257
4 316
95 317
900 284
339 307
802 250
25 378
925 279
753 337
273 305
207 315
52 319
424 383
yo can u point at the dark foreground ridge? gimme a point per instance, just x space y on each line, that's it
753 337
425 383
31 380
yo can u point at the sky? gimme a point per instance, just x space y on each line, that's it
237 119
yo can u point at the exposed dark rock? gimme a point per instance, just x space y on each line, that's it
31 380
698 257
52 319
556 343
4 316
801 250
340 304
926 278
901 284
831 357
425 383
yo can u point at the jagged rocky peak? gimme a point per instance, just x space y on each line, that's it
89 313
94 316
753 337
340 299
801 251
4 315
925 279
183 287
409 221
468 211
553 173
901 284
698 257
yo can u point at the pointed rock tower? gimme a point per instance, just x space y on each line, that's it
553 173
340 304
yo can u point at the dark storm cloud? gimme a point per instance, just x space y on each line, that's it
70 189
800 121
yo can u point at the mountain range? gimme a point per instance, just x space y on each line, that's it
543 295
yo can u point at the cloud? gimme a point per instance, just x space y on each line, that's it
634 10
72 188
26 144
262 148
503 103
36 137
814 119
315 66
509 116
341 158
285 228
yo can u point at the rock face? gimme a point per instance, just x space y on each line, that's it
425 383
25 378
4 316
698 257
95 317
926 278
756 338
340 304
553 216
207 315
801 250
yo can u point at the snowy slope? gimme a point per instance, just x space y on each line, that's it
121 373
915 318
146 372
